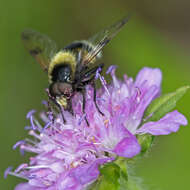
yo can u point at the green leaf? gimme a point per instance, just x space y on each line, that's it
165 103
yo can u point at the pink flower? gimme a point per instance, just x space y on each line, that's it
67 156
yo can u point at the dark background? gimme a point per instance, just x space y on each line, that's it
156 36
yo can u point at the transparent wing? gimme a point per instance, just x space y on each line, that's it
102 38
40 46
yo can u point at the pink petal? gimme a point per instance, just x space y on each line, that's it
145 101
128 147
152 76
168 124
26 186
67 182
87 173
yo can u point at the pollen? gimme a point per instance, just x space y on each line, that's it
116 108
93 140
46 183
74 164
106 123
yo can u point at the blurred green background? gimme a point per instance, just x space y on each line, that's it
156 36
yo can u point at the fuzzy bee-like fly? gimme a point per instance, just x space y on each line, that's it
71 68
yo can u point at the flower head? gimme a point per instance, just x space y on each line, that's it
67 156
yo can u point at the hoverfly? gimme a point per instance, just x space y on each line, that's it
71 68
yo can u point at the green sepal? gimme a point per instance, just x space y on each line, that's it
112 177
145 141
122 163
123 180
163 104
110 174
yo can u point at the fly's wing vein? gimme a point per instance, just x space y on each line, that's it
40 46
102 38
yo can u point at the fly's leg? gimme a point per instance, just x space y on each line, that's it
56 103
84 105
50 111
70 108
94 98
61 110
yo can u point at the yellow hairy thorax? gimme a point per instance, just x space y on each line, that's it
61 58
